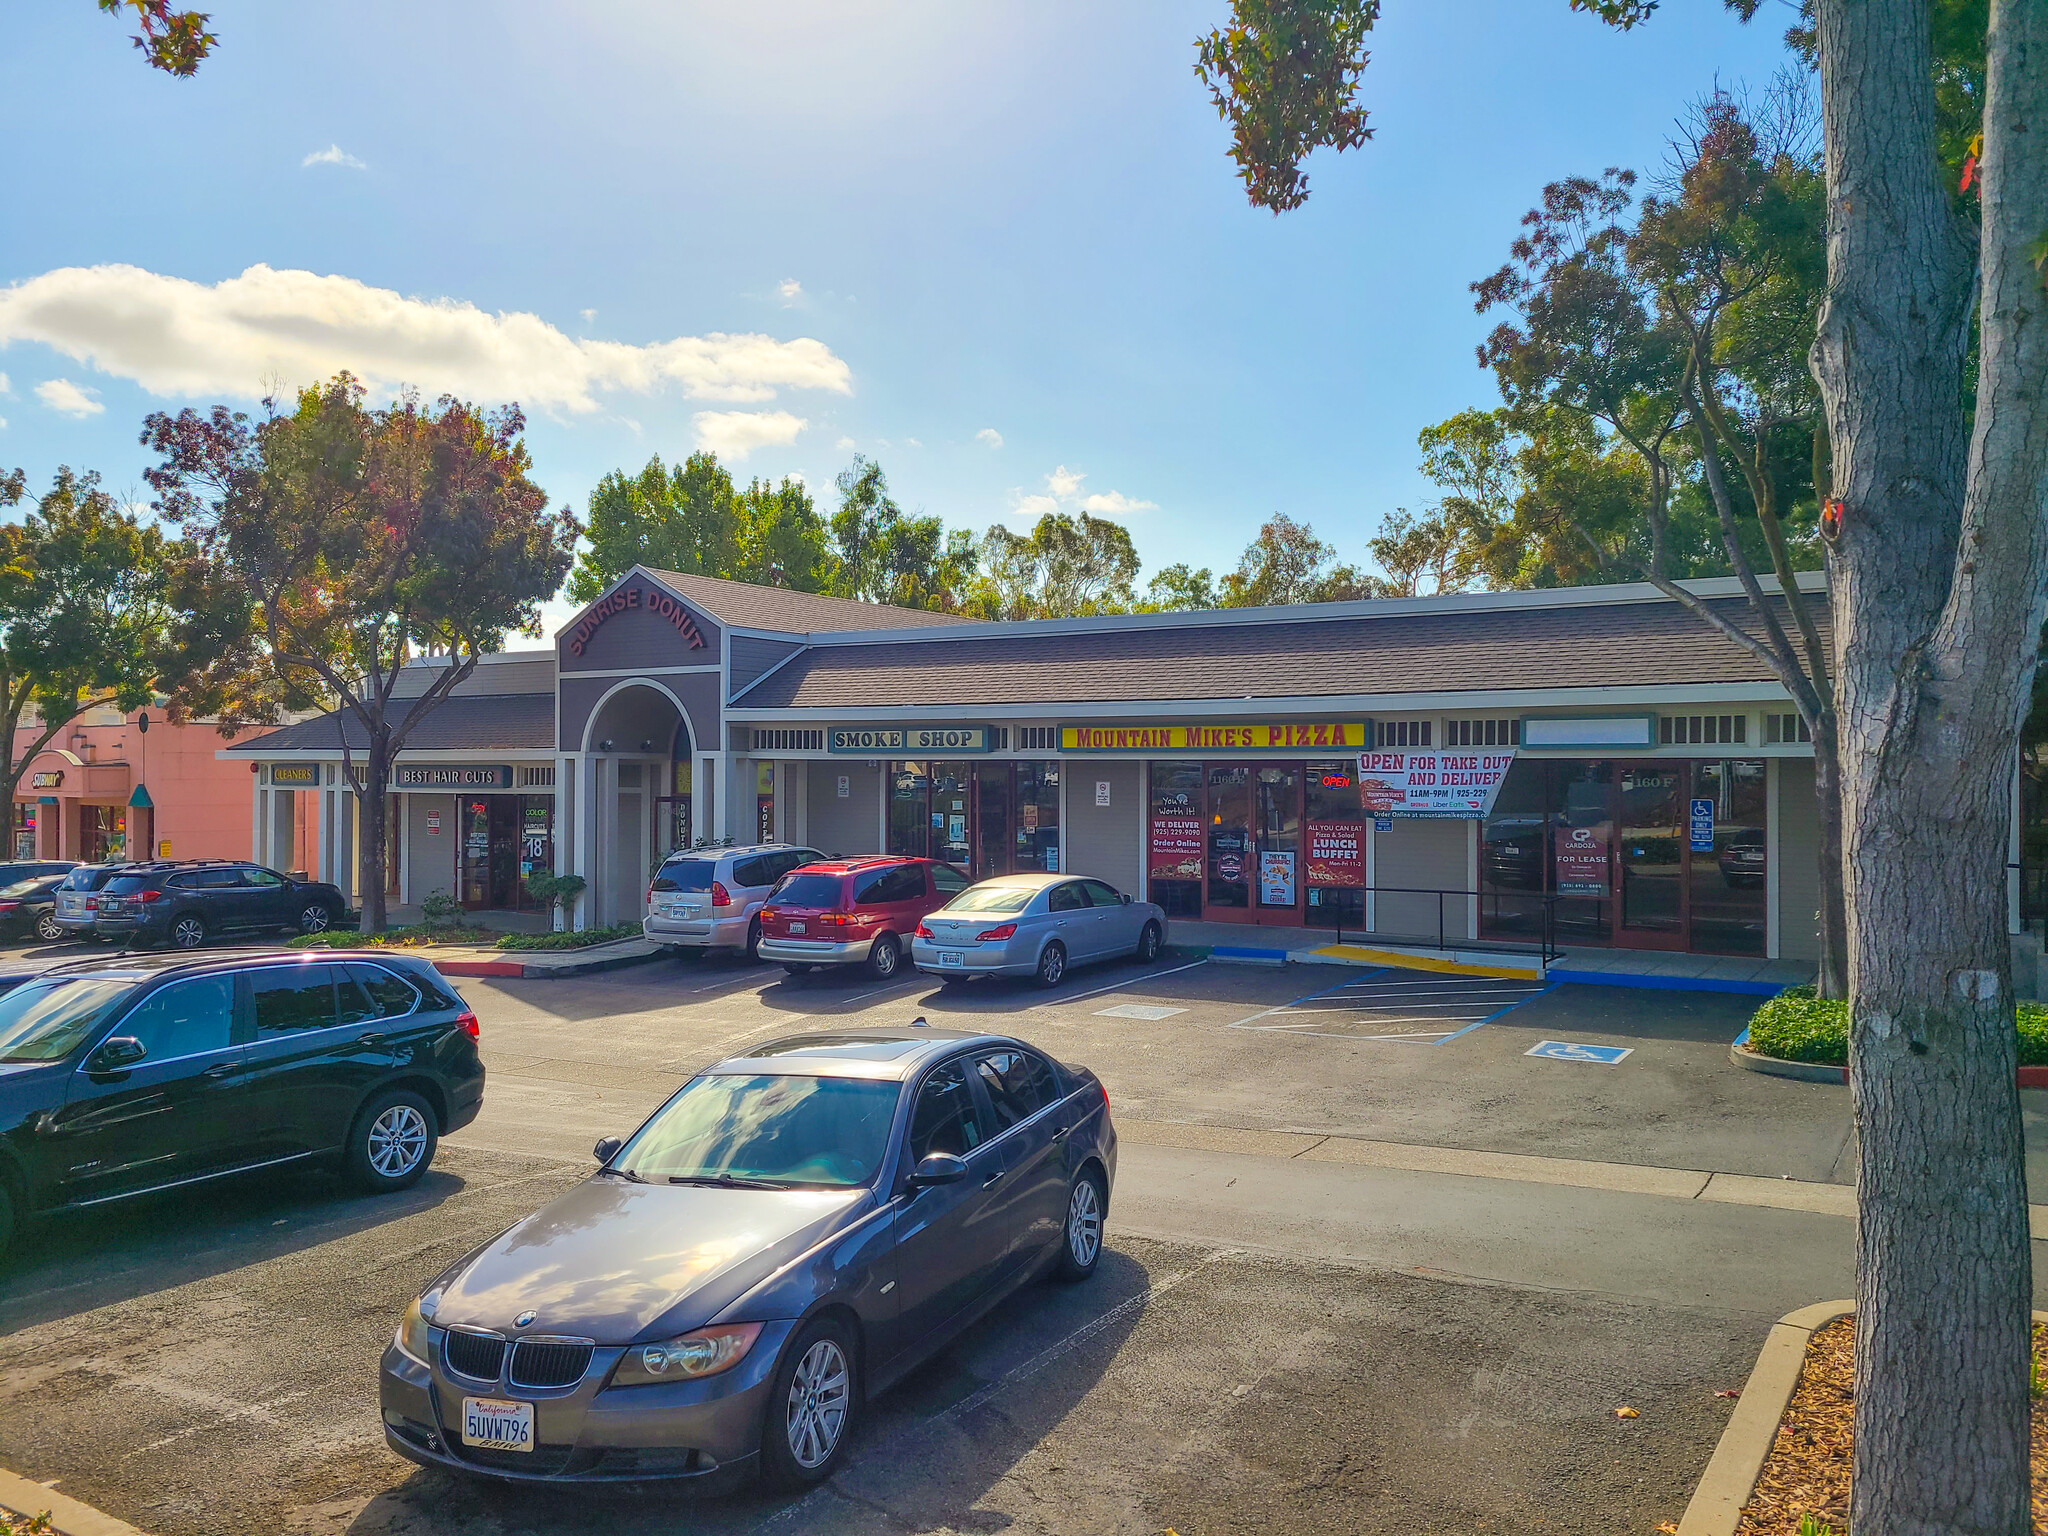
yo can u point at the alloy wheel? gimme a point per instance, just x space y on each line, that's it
188 933
398 1140
47 929
816 1412
884 958
1052 965
314 919
1084 1223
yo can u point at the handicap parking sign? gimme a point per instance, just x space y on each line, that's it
1565 1050
1702 826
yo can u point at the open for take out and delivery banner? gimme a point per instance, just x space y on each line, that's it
1431 783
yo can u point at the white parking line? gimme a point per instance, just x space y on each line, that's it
1129 981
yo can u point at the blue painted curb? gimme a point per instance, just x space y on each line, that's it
1255 956
1668 983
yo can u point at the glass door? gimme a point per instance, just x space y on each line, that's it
1650 856
951 808
1279 883
992 810
1227 883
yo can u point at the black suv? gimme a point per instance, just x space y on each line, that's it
188 901
123 1076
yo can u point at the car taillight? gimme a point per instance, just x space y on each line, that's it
8 906
149 895
924 932
1105 1096
466 1022
1001 931
720 896
92 903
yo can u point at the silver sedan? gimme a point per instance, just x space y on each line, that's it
1037 926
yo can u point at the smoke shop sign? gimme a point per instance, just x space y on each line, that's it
1230 736
628 599
919 739
1431 783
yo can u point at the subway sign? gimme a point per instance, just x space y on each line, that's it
921 740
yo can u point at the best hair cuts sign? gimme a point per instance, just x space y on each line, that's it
1461 784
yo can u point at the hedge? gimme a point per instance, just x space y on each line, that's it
422 936
1798 1025
583 940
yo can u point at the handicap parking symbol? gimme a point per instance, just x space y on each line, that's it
1565 1050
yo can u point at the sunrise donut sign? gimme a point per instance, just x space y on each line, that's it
626 599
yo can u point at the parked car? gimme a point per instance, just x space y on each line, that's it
188 901
120 1076
30 869
78 899
1742 857
1035 925
711 898
30 906
853 911
793 1231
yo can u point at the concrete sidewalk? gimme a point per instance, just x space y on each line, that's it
483 960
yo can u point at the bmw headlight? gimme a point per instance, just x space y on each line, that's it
705 1352
412 1333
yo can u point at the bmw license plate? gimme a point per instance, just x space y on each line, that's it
497 1425
951 957
798 928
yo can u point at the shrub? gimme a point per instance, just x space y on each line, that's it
417 937
26 1525
440 910
582 940
1798 1025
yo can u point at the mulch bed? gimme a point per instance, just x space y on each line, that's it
1808 1468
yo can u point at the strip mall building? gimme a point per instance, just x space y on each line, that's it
1649 782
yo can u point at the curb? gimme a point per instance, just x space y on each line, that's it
1818 1072
1455 965
21 1496
1730 1478
531 969
1668 983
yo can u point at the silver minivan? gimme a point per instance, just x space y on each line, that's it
710 898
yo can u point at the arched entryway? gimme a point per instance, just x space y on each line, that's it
627 778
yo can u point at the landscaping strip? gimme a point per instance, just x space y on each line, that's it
21 1496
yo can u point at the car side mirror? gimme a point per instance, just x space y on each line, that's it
116 1053
607 1148
938 1168
1127 898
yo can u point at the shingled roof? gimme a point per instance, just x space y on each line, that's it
486 722
794 613
1598 645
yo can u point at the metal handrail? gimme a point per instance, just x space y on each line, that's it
1547 932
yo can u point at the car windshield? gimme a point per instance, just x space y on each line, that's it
125 885
79 879
686 875
992 898
45 1020
808 891
826 1132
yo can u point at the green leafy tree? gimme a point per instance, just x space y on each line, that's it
1416 551
885 555
95 608
360 537
1286 563
1938 583
1181 588
1064 567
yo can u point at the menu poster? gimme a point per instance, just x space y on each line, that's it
1176 848
1431 783
1579 863
1276 879
1336 853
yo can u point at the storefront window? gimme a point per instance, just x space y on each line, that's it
1173 841
536 843
1336 833
24 830
950 814
910 792
1037 824
673 809
1229 874
764 801
1728 877
102 832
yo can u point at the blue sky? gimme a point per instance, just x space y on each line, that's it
998 247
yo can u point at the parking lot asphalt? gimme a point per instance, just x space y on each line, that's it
1372 1268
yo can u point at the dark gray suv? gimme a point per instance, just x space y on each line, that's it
186 903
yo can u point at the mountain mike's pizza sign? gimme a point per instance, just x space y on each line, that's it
627 599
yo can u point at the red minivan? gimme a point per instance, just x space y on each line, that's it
853 911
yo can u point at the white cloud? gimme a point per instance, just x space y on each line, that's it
3 423
844 443
589 315
911 442
5 387
1063 482
735 434
1031 508
1115 504
790 289
67 399
333 154
175 337
990 436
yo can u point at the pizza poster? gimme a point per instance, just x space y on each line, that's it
1431 783
1336 853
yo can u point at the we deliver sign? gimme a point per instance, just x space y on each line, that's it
1431 783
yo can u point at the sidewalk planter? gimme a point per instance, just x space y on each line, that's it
1799 1035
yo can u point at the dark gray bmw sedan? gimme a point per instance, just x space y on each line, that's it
789 1234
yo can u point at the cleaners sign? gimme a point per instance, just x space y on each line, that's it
1431 783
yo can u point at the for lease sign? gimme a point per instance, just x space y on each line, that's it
1431 783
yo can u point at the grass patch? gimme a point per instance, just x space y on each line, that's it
1797 1025
583 940
418 936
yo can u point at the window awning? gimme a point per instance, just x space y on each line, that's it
140 799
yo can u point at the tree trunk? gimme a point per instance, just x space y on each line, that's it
1832 974
373 830
1928 656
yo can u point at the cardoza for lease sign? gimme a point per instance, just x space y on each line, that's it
1431 783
